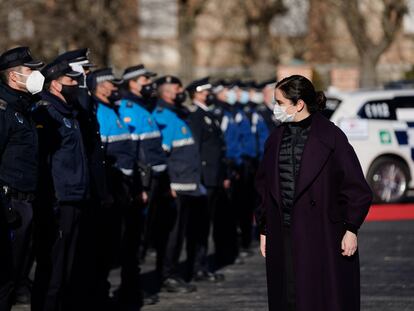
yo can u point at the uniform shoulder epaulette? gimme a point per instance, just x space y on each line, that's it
3 104
42 103
192 108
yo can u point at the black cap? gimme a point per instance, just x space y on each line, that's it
134 72
20 56
168 79
266 83
58 69
80 56
199 85
100 76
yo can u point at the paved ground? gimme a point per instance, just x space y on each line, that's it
387 281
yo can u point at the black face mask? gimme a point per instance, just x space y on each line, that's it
180 98
114 97
211 99
149 91
70 93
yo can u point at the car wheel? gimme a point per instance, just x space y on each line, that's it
389 179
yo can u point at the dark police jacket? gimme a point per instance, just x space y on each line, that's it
18 141
62 155
86 116
208 137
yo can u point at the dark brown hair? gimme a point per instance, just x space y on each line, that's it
298 87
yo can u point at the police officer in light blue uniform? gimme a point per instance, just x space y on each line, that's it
259 127
138 99
123 220
244 195
184 171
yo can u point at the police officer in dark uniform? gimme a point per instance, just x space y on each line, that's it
209 139
91 243
63 189
18 170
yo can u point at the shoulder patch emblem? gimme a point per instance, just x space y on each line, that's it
67 123
3 104
239 117
19 117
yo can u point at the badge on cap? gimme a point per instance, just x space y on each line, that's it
184 130
208 120
19 117
67 123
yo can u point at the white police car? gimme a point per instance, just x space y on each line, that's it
380 126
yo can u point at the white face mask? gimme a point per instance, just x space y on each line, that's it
257 98
281 114
34 81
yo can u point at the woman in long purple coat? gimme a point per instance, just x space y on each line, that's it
313 199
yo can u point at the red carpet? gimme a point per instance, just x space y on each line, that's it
391 212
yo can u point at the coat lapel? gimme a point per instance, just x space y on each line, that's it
317 151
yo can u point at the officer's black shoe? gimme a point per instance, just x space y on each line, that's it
208 276
246 253
150 299
22 295
239 261
177 285
23 299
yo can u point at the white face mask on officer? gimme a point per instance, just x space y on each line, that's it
281 113
34 81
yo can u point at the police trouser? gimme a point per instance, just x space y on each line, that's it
86 294
6 277
207 219
119 237
22 246
225 231
56 237
186 216
157 221
244 201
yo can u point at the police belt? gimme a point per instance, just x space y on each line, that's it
17 195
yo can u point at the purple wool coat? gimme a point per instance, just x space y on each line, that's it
330 190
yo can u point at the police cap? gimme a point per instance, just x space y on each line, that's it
134 72
58 69
19 56
199 85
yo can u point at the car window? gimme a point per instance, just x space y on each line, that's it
332 105
378 110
